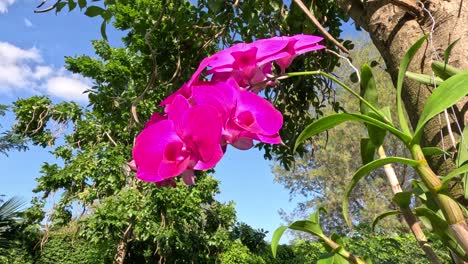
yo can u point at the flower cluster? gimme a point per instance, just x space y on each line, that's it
219 105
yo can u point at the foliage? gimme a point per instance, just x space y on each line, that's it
440 211
238 253
9 140
318 176
251 238
10 211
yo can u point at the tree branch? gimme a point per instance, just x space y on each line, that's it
320 27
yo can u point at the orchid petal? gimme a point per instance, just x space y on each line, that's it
267 120
149 148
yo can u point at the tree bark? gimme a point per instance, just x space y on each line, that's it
393 30
122 247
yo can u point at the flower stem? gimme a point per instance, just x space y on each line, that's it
333 78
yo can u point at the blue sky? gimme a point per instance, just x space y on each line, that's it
32 51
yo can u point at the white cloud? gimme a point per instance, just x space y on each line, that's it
42 71
23 71
4 5
68 88
27 22
12 54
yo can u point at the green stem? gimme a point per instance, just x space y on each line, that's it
347 88
342 252
450 208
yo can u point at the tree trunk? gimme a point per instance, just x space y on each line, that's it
122 247
393 29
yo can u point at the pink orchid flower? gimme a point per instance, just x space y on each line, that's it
250 64
188 139
246 116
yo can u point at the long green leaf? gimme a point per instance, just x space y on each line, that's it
454 173
276 238
447 94
462 155
424 78
333 120
448 51
444 71
382 216
364 171
401 75
308 227
441 228
429 151
368 89
367 151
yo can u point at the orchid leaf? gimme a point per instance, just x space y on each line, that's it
368 89
403 199
444 71
364 171
401 75
382 216
441 228
311 226
276 237
430 151
448 93
448 51
367 150
454 173
424 78
333 120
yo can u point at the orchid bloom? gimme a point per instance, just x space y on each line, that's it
246 116
203 116
250 64
188 139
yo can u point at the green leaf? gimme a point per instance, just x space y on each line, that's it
465 185
447 94
276 237
368 89
332 258
401 75
444 71
60 6
364 171
315 217
424 78
369 93
462 154
103 29
333 120
71 5
448 51
367 150
386 112
311 226
382 216
454 173
82 4
441 228
403 199
93 11
430 151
